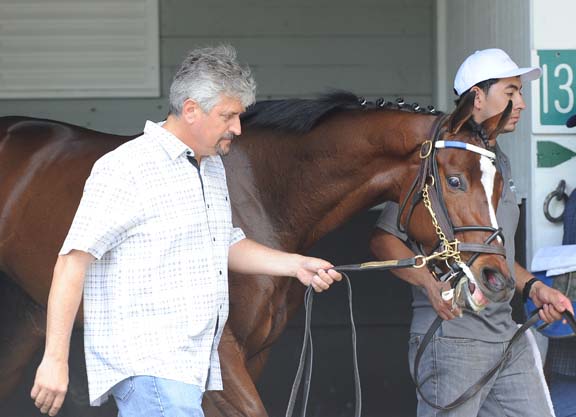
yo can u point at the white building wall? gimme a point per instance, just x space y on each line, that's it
296 49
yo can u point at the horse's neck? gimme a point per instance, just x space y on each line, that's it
301 187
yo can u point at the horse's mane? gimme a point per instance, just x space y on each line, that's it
298 115
301 115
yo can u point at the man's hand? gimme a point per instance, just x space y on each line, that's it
386 246
317 273
442 307
50 386
552 301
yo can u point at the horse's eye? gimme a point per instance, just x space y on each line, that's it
454 182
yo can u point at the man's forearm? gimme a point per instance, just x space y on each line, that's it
250 257
522 276
386 246
64 301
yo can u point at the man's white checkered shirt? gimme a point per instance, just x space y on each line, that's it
156 298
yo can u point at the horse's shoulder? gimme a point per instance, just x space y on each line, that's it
122 157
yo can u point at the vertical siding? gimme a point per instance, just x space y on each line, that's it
296 49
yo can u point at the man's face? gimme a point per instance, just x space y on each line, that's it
216 129
499 94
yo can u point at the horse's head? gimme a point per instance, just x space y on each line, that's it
451 209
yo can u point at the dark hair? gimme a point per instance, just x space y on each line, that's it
482 85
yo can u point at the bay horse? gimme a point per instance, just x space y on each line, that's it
300 169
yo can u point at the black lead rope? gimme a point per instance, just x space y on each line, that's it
307 356
307 352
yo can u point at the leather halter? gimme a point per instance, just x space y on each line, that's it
427 188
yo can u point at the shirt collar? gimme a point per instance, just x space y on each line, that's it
173 146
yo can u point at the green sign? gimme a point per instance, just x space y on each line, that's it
557 87
550 154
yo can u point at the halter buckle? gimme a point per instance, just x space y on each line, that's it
426 149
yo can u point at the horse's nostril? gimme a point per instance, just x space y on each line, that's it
493 279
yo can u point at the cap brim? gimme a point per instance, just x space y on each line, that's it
526 74
571 122
531 74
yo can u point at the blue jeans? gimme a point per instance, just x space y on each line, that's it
563 391
449 366
149 396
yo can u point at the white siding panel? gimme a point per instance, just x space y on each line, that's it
85 48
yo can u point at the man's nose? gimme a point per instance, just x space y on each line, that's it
520 103
235 127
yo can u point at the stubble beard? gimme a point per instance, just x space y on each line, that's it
223 145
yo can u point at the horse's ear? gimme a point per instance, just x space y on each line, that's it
494 125
462 113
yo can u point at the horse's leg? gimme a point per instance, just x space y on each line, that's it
22 329
256 363
240 397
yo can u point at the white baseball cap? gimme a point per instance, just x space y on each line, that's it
490 63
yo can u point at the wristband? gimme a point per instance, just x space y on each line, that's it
527 288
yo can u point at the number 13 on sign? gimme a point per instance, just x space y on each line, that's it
557 86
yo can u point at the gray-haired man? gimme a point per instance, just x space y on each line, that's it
150 247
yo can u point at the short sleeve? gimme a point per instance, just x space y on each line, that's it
236 235
388 220
107 211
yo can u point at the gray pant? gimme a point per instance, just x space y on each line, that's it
450 365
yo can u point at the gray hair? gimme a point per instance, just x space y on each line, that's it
208 73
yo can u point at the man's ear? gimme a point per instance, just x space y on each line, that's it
479 96
190 110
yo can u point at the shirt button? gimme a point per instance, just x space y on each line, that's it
220 272
214 239
208 205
